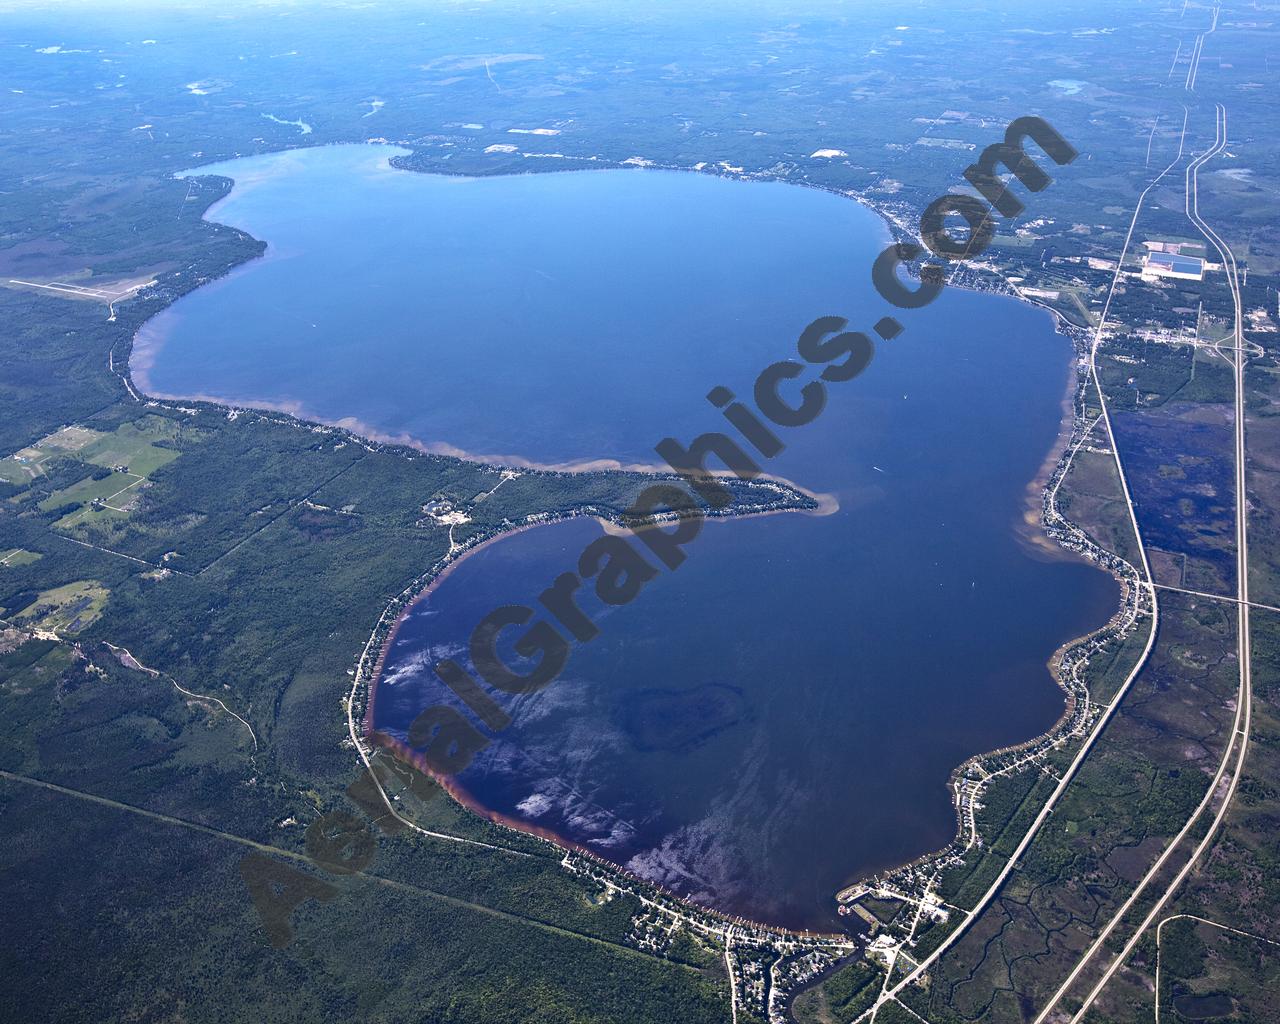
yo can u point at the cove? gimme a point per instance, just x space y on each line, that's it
780 716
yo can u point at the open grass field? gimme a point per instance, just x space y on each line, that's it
124 458
28 464
66 609
109 490
131 446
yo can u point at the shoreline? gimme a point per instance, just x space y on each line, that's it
1055 529
825 504
461 795
1032 529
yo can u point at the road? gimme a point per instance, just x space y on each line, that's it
728 969
1239 740
363 669
301 858
1146 579
1217 597
129 661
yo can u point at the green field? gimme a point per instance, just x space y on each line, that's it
131 446
108 490
129 454
66 609
29 463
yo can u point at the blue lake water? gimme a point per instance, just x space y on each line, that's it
781 714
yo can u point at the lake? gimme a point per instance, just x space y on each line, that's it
780 715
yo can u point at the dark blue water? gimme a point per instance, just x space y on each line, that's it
781 714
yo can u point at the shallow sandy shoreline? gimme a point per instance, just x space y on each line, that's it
1030 530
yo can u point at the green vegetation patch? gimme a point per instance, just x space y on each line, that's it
29 463
66 609
132 446
124 459
15 557
13 471
1210 972
112 491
